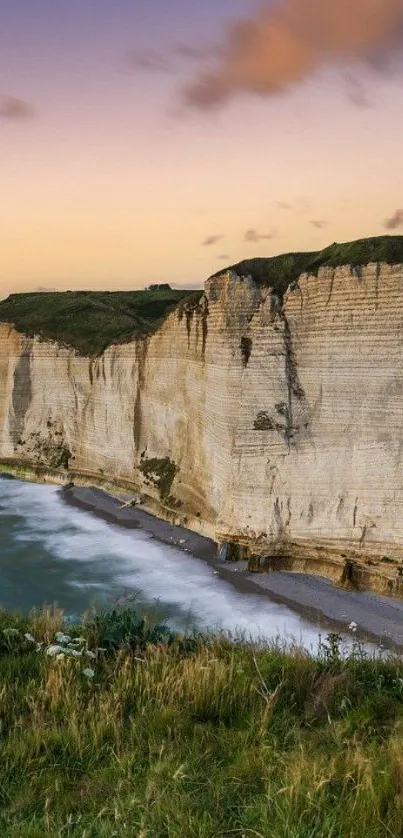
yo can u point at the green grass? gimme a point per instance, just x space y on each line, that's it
281 271
91 320
194 738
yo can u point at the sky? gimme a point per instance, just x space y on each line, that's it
147 141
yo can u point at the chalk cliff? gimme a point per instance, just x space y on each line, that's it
273 423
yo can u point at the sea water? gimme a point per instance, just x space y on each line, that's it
52 553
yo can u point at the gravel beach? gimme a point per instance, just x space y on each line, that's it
379 619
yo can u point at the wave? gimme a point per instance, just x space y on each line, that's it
102 557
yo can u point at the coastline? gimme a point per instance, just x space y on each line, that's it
313 597
379 618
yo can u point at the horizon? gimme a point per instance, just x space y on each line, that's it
199 286
138 153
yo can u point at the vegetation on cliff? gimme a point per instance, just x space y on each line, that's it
116 727
281 271
90 321
160 471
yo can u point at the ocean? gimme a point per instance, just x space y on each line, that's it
51 553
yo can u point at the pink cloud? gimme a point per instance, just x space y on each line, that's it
283 44
12 108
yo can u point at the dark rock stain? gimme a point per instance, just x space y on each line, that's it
21 396
204 316
141 356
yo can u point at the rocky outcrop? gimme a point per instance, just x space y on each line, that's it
273 424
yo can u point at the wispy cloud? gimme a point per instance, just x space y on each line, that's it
190 52
319 224
395 221
209 240
223 256
170 60
148 60
252 235
283 44
356 92
12 108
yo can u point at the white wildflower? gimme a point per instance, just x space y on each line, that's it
77 640
89 673
101 649
29 637
54 650
353 626
74 653
60 656
90 654
10 632
62 638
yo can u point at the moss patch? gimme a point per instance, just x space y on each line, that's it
161 472
46 451
263 422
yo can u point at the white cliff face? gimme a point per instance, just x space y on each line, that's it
284 421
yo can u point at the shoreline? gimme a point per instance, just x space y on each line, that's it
379 618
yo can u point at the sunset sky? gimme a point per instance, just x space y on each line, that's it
158 140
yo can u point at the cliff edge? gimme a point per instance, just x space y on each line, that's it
266 412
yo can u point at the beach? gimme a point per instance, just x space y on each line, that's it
379 619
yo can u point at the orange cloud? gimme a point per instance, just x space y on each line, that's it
284 44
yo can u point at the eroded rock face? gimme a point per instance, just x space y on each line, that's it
276 424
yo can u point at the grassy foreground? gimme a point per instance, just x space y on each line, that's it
157 737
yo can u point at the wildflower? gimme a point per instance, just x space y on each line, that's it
90 654
89 673
10 632
353 626
54 650
73 652
60 656
29 637
78 640
62 638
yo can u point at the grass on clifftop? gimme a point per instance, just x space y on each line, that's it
121 729
281 271
91 320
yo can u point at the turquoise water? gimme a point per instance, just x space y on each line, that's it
53 553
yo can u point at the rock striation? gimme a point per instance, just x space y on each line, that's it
272 423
